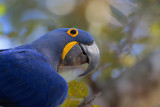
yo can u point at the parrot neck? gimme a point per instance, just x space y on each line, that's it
52 50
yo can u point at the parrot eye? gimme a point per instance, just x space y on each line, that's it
72 32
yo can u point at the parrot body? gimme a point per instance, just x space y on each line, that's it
28 73
42 86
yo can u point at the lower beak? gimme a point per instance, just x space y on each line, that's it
80 54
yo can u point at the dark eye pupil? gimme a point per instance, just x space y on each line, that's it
73 32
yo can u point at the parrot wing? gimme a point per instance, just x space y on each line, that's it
27 80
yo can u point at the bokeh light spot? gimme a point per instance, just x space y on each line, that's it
61 7
98 12
4 42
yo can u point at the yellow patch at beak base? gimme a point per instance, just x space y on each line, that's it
67 48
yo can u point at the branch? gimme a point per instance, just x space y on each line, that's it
88 101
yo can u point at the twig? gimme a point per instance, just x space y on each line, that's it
88 101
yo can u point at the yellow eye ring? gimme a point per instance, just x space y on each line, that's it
72 32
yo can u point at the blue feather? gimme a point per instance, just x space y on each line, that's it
36 85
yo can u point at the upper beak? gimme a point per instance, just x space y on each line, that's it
80 54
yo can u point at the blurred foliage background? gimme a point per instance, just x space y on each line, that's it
125 30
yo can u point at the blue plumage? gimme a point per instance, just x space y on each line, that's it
28 80
28 73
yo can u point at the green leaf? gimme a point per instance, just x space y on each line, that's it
71 102
77 89
155 29
127 60
95 106
2 9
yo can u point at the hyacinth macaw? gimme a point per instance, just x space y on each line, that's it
28 73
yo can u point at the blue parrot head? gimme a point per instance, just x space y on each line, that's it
69 47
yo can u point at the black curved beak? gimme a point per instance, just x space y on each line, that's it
93 55
80 54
